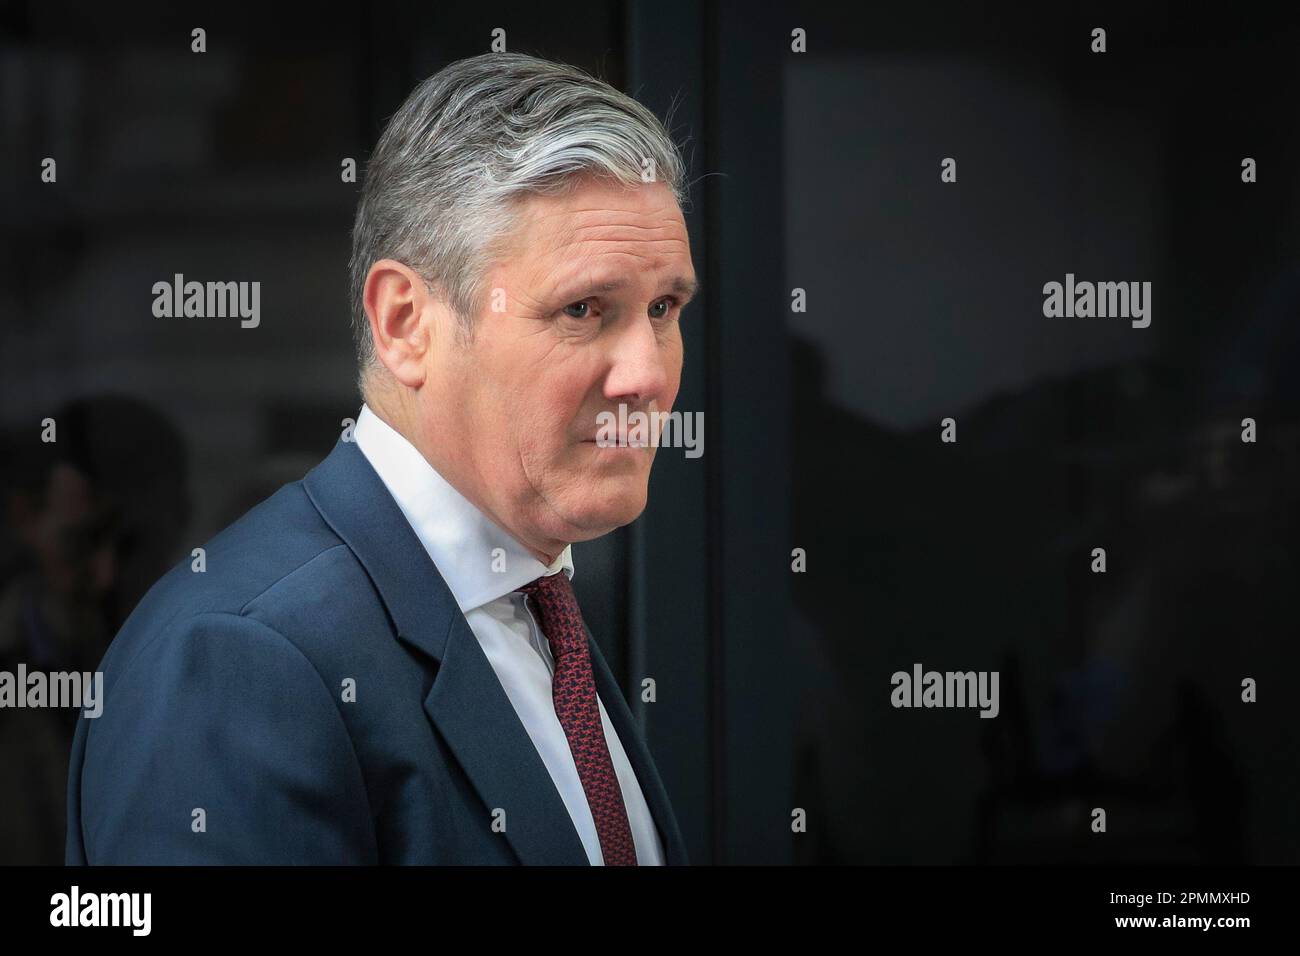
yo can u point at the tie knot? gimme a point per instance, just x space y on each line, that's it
558 612
549 586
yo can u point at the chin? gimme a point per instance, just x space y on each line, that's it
602 511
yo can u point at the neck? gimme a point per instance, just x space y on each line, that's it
396 408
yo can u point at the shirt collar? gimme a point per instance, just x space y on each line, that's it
462 541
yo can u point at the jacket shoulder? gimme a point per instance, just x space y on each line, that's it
282 545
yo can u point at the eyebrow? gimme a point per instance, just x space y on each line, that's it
680 285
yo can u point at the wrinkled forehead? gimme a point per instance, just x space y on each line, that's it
603 236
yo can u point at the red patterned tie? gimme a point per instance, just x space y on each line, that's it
574 690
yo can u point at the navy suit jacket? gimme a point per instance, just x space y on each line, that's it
225 735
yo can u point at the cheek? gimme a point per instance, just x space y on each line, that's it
550 414
673 372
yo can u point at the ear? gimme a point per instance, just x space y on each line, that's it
404 319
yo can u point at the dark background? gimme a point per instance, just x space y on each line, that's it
817 171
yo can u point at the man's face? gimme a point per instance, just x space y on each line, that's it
523 397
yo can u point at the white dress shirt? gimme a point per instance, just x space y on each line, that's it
483 565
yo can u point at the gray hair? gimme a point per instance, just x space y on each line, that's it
443 188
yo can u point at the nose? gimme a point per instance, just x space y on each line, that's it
638 365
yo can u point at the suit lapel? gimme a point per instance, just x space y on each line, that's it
473 713
466 703
638 754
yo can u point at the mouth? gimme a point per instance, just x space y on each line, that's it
618 450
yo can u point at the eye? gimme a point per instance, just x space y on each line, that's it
586 309
668 304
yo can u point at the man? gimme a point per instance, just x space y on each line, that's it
384 662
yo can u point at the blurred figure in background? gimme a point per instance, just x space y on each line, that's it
90 520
